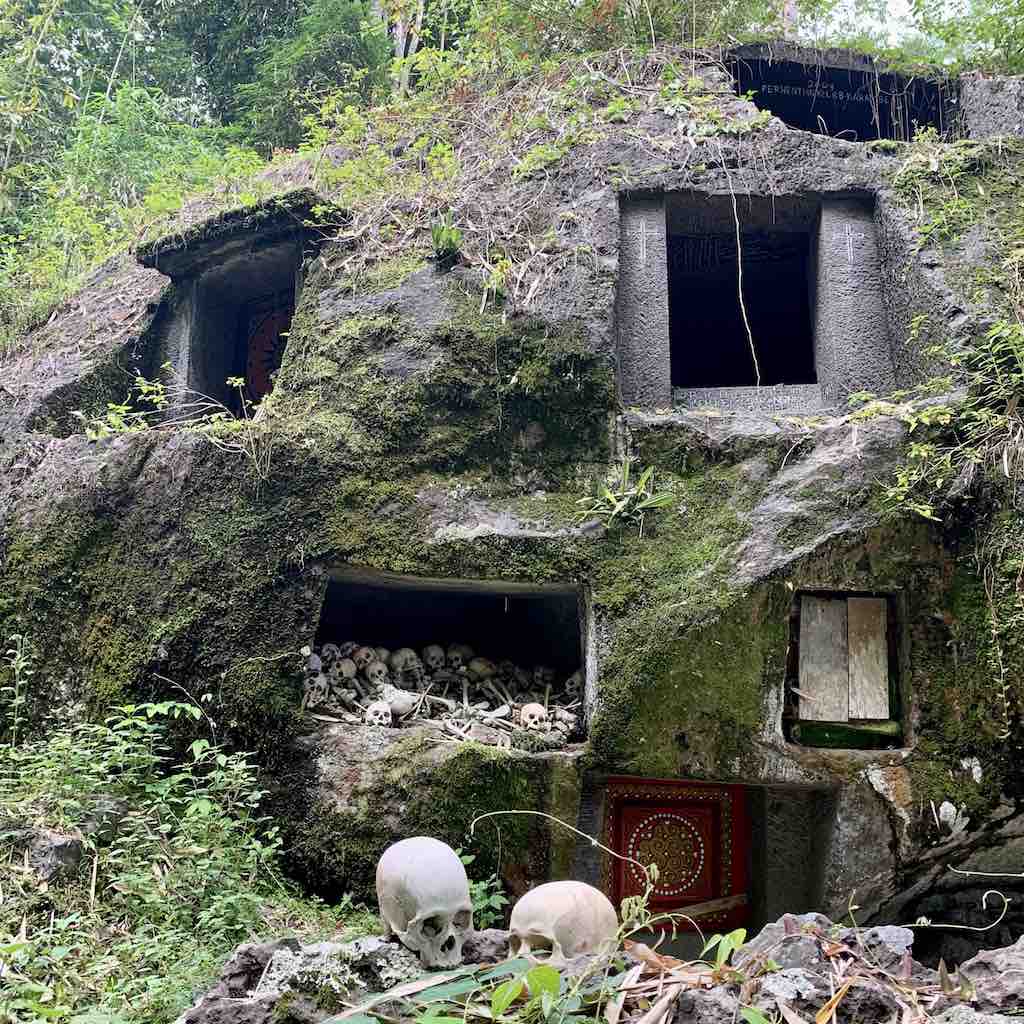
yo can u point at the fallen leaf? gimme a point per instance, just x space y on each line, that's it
789 1015
829 1009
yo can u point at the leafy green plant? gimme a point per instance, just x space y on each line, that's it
544 154
183 867
625 501
488 896
127 417
20 663
446 239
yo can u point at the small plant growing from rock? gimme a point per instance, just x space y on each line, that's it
624 501
446 239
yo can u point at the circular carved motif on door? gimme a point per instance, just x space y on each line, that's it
674 844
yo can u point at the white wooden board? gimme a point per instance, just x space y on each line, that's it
824 680
869 658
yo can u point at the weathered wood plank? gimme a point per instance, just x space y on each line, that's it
824 673
869 658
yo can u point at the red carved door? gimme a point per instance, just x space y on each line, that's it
267 323
698 834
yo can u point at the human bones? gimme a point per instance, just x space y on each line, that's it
406 666
567 917
433 657
401 702
377 674
481 668
458 656
534 717
378 713
495 694
423 894
363 656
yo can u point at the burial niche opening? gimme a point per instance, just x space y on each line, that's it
842 671
482 644
739 309
838 93
236 280
243 312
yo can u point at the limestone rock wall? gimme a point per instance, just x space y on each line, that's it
417 428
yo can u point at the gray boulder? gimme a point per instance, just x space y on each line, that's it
998 977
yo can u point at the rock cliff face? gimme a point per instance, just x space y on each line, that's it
430 422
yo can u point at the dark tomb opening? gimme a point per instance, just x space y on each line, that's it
849 98
709 342
527 624
243 312
236 282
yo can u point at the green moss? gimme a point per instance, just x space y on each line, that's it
470 390
666 684
423 787
388 274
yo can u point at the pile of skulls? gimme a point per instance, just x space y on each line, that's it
452 684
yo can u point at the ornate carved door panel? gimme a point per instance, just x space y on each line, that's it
698 834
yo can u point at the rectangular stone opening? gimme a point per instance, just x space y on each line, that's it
749 301
836 93
842 670
719 340
241 317
236 283
526 624
725 851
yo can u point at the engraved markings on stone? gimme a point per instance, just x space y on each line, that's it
824 666
852 236
671 842
869 658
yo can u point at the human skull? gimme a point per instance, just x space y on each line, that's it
348 648
534 717
401 702
516 678
568 917
342 669
543 677
574 685
406 665
458 656
314 663
363 656
378 713
423 894
377 674
330 652
315 691
382 654
433 657
481 669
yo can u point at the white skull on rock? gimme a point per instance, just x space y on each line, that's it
379 714
534 717
568 918
423 893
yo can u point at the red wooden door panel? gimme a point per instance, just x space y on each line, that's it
698 833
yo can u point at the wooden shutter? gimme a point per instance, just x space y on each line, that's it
869 657
824 671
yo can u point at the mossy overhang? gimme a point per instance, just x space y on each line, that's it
293 216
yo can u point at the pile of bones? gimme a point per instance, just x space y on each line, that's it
383 688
